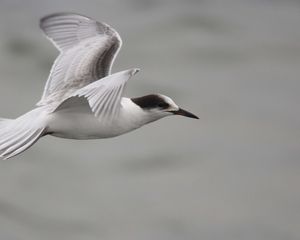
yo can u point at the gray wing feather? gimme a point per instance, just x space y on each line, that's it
68 29
87 51
104 96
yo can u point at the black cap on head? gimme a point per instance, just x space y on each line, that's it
151 101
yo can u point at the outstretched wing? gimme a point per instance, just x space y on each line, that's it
87 51
104 96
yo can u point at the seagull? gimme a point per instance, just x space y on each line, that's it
82 99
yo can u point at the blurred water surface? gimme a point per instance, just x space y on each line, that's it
234 174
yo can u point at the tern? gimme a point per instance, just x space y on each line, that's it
82 99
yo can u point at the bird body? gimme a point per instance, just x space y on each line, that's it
80 123
82 99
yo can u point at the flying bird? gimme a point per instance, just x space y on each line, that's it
82 99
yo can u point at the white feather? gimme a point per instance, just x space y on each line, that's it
87 51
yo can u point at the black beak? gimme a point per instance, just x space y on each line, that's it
185 113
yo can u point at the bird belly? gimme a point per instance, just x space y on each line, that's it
79 124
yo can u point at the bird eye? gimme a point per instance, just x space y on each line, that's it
163 105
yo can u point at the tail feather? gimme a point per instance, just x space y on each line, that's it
19 134
13 140
23 144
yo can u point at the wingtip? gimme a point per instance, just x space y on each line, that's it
58 14
134 71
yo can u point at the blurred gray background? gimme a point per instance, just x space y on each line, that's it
233 174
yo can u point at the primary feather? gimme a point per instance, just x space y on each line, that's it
87 51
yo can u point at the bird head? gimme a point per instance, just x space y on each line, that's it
159 106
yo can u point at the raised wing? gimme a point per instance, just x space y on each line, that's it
104 96
87 51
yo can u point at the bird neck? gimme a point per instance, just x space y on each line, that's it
133 115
